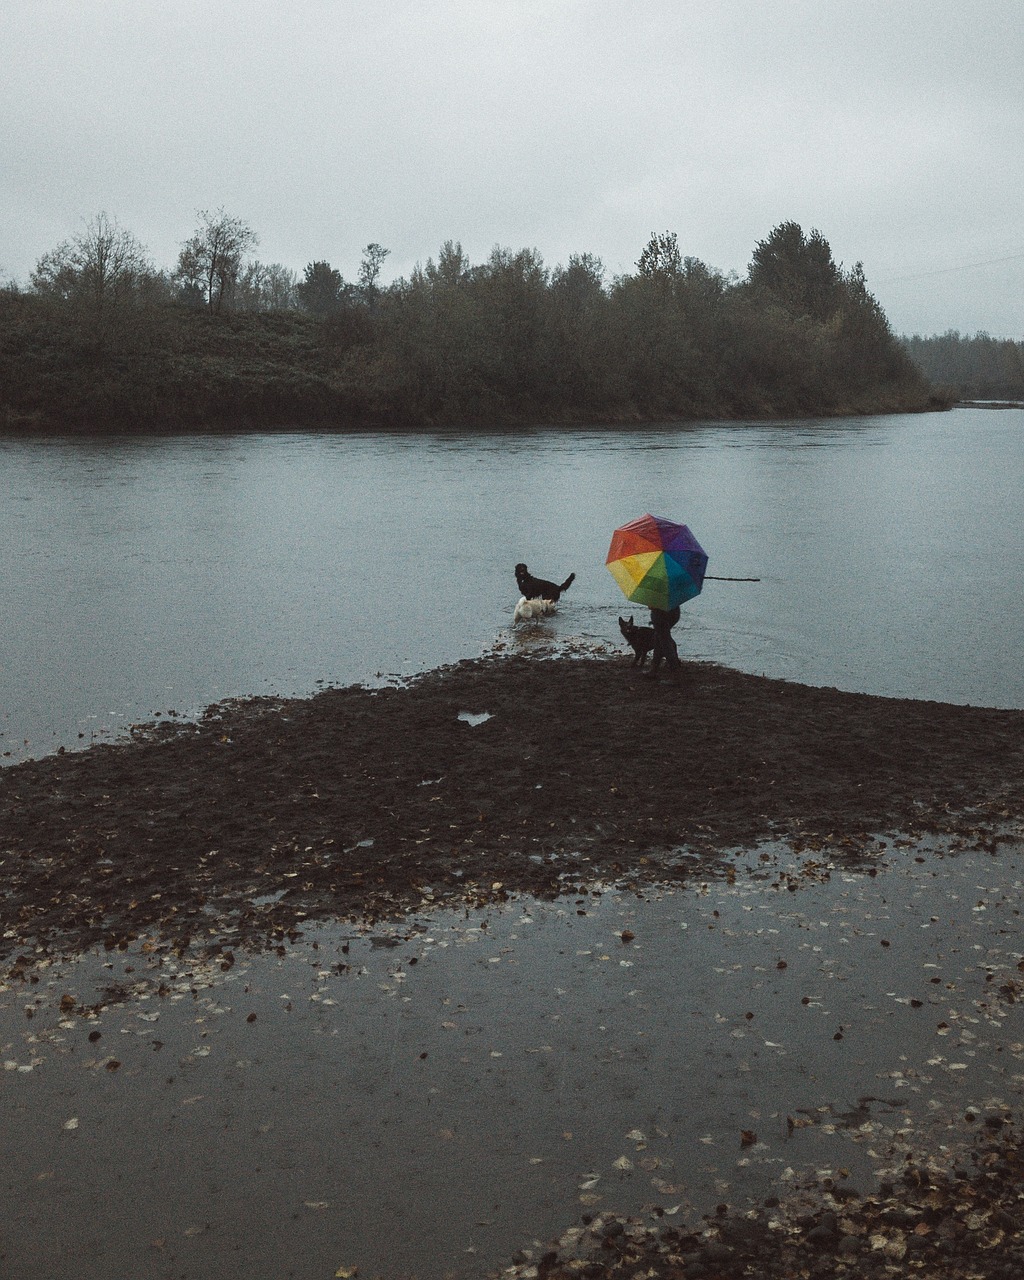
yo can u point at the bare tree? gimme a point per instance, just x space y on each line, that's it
661 257
264 286
103 265
369 271
279 288
209 263
452 267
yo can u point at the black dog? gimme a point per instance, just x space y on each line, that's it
639 639
539 588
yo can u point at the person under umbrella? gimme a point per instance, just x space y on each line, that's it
660 564
665 648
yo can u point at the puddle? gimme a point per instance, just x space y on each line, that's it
268 899
424 1098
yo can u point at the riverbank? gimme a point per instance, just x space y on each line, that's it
808 1064
489 777
194 862
167 368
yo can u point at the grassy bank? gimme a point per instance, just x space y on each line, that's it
507 342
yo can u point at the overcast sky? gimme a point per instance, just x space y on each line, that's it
895 127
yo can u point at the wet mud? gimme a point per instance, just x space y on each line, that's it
555 969
681 1073
493 776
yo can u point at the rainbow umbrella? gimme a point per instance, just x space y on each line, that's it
656 562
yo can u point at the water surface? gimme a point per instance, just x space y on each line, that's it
144 575
426 1097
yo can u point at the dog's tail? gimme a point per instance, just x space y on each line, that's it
568 582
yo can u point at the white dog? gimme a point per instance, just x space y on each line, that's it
532 609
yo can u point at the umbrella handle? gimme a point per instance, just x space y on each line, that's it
712 577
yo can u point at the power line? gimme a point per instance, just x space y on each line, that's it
945 271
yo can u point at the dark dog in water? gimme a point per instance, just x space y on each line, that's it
539 588
639 639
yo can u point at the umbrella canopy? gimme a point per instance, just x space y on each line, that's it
656 562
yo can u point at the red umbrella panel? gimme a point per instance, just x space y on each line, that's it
657 562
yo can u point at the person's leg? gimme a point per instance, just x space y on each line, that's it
671 648
662 640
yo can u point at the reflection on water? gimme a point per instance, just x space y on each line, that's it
477 1079
144 575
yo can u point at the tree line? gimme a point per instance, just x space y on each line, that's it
101 337
105 266
973 368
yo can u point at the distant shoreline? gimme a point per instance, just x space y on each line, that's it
170 424
990 404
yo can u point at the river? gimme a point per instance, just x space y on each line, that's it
144 575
